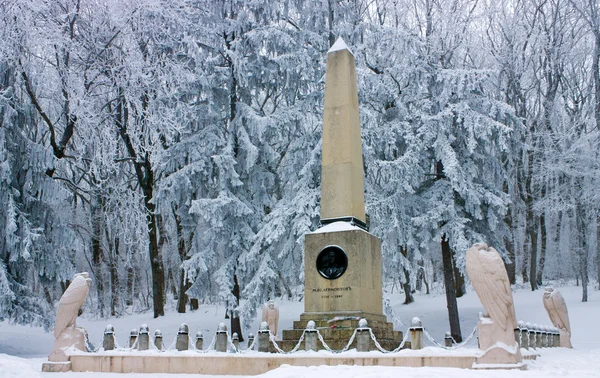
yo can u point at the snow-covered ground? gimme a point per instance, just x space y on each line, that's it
24 349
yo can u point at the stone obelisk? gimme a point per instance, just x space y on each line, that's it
342 182
342 266
342 260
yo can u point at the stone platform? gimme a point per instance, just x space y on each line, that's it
254 363
337 329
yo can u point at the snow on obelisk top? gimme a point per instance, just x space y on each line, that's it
342 176
339 45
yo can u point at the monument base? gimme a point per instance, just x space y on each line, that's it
337 329
254 363
56 367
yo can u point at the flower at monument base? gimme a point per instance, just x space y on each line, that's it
333 326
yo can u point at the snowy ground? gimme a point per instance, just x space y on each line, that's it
23 349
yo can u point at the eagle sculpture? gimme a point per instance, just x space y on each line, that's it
559 315
65 329
71 301
486 270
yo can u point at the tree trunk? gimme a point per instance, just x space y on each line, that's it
583 252
408 297
459 279
114 278
235 317
533 227
97 255
510 251
598 252
540 272
130 286
156 263
182 298
450 290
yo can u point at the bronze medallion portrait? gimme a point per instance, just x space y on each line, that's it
332 262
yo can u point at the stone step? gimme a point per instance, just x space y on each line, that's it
339 344
347 323
340 333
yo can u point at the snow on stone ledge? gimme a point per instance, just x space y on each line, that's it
336 226
339 45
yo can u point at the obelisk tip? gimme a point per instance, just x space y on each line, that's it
338 46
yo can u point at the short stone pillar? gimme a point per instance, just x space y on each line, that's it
531 332
236 342
183 337
144 338
221 343
416 334
556 343
199 341
310 336
158 339
133 335
523 335
108 343
263 337
448 341
250 341
363 336
545 336
538 336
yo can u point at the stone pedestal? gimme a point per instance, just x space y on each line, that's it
357 292
498 346
565 339
70 337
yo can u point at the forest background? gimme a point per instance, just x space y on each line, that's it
172 148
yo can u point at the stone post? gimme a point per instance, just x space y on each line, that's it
363 336
133 335
263 337
109 338
236 342
416 333
310 336
531 331
158 339
556 337
518 334
143 338
524 333
221 343
199 341
183 337
545 336
250 340
448 339
538 336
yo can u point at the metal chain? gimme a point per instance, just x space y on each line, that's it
251 347
230 342
172 344
337 351
279 350
212 343
89 346
457 346
378 346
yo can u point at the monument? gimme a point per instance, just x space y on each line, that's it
496 328
342 260
66 332
556 307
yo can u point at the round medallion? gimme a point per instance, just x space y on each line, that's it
332 262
